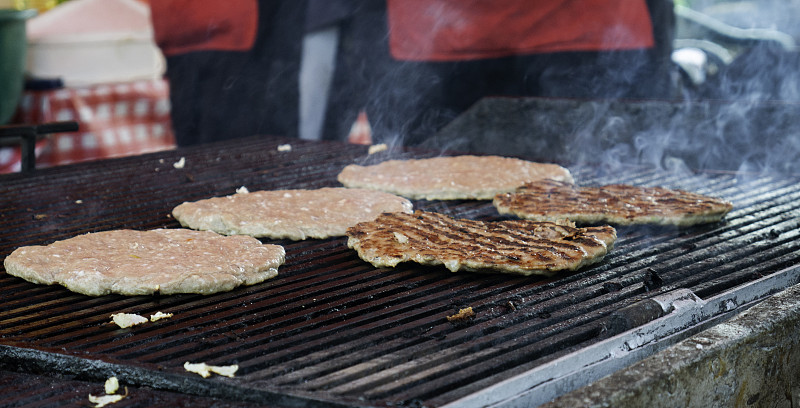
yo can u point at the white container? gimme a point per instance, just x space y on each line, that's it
86 42
101 58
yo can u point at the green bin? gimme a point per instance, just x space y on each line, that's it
13 48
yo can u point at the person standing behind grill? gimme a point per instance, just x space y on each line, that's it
232 66
414 65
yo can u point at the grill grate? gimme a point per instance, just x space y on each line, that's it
331 329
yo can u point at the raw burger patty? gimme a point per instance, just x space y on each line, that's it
548 200
292 214
516 246
165 261
451 177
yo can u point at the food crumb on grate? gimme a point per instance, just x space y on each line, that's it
111 387
463 315
205 370
160 315
125 320
104 400
377 148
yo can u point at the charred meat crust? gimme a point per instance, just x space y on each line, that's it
619 204
515 246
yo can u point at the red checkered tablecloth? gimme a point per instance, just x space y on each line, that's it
114 120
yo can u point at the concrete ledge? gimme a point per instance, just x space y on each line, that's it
752 360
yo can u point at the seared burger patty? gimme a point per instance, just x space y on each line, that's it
450 177
516 246
548 200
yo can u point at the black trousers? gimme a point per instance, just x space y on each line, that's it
220 95
408 102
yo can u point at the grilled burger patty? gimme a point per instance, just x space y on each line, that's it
548 200
515 246
450 177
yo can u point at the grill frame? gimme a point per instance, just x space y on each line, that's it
139 193
23 389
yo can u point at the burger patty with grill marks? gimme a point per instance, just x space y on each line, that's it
618 204
513 246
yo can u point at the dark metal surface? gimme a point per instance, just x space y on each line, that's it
332 330
27 390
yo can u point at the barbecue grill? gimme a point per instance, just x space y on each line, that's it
331 330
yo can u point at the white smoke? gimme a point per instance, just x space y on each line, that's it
742 118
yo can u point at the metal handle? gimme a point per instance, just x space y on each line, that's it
27 135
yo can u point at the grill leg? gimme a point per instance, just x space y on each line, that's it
28 152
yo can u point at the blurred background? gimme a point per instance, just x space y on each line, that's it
95 62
